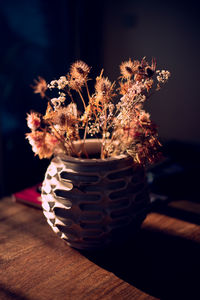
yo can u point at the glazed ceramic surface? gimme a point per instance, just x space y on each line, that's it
92 202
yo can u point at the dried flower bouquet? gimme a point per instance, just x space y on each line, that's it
113 113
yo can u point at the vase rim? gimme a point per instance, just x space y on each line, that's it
92 142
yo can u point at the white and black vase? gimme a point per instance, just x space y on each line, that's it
91 203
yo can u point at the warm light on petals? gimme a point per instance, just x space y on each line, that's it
43 143
112 112
33 121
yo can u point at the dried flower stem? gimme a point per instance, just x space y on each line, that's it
104 132
86 125
82 99
84 138
62 139
70 95
88 92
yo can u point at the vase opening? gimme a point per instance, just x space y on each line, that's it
91 146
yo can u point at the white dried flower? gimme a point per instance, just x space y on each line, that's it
163 76
56 103
53 84
62 82
61 99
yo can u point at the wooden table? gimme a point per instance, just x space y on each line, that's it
162 261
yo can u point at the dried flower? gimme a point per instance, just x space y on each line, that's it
103 88
144 117
43 143
62 82
103 85
53 84
60 117
57 102
124 127
76 84
162 77
129 68
79 70
148 84
40 86
33 120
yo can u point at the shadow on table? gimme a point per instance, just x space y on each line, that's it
6 293
161 265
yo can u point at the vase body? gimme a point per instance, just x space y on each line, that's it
92 202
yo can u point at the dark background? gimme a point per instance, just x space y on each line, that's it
44 37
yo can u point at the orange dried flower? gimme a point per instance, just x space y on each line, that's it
128 68
104 87
79 70
76 83
123 125
40 86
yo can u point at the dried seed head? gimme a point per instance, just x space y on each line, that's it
128 68
76 83
103 86
79 70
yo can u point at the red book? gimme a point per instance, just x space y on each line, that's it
30 196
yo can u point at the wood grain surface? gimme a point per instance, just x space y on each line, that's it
161 262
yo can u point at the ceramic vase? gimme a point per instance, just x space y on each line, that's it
91 203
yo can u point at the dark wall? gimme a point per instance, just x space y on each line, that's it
37 38
170 32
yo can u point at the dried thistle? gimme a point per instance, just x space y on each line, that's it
79 70
103 86
129 68
76 83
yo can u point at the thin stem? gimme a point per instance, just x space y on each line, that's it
70 95
84 138
104 132
86 126
82 99
47 97
60 137
88 92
